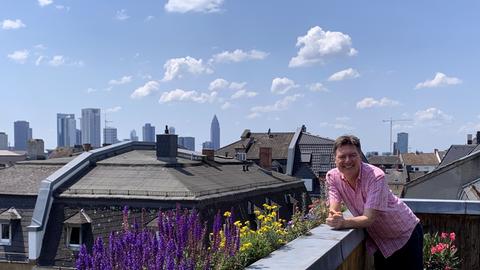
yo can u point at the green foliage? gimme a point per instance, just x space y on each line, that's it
440 252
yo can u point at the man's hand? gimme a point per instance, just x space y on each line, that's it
335 219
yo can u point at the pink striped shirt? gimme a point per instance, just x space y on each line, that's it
394 222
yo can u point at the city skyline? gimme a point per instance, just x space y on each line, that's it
337 67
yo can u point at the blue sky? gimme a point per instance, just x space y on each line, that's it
336 66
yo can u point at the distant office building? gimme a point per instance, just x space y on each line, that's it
171 130
78 137
395 148
133 136
90 126
215 133
36 149
402 142
3 141
22 133
148 133
110 135
207 145
66 130
187 142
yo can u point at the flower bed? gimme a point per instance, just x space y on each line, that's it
182 241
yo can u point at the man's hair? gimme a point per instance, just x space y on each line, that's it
347 140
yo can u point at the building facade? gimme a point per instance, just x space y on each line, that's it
90 126
66 130
3 141
110 135
148 132
22 133
215 133
133 136
187 142
402 142
36 149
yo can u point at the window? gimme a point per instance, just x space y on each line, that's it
241 156
6 234
74 236
308 184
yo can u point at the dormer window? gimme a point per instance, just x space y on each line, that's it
8 220
241 156
75 229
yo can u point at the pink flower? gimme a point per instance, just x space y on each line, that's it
433 250
447 268
452 236
444 235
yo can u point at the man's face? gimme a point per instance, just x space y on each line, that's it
348 160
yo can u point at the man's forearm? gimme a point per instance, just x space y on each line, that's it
357 222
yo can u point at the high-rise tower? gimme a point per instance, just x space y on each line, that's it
66 130
402 142
215 133
148 133
22 133
90 125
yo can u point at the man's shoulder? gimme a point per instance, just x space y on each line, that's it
333 171
372 170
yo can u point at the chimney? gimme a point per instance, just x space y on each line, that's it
209 153
87 147
469 139
266 158
478 137
167 147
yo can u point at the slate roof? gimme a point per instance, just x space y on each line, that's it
25 178
471 191
312 139
138 174
458 151
278 141
385 160
421 159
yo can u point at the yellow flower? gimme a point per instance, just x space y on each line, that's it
238 223
274 214
227 214
257 212
261 217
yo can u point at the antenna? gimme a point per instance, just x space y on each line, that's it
391 121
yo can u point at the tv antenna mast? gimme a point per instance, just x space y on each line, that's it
391 121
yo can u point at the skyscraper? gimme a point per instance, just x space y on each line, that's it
215 133
110 135
3 141
133 136
148 133
66 130
78 137
402 142
22 133
90 125
187 142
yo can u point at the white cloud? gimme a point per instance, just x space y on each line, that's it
145 90
282 85
114 109
183 6
44 3
149 18
349 73
121 15
342 118
244 93
226 105
91 90
123 80
280 105
371 102
218 84
239 56
469 128
237 85
318 44
182 95
57 61
175 67
62 7
439 81
432 117
39 60
336 126
40 47
317 87
19 56
11 24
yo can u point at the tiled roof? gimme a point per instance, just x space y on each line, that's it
455 152
471 191
24 179
312 139
278 141
385 160
421 159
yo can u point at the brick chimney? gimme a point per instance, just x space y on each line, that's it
469 139
209 153
167 147
266 158
87 147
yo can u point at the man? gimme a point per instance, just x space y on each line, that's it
394 232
